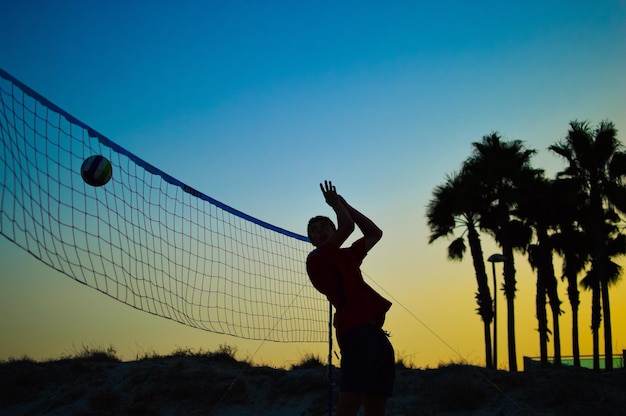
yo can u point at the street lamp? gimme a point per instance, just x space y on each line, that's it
493 259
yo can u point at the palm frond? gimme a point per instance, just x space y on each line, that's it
457 249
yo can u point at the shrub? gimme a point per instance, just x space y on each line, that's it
309 361
100 354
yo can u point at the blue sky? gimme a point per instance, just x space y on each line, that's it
255 103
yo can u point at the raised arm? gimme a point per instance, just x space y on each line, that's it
371 233
345 223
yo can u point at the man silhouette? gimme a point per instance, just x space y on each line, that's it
367 356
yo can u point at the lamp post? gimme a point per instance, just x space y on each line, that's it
493 259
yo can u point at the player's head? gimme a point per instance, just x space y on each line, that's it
320 229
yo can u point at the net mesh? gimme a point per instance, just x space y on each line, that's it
145 238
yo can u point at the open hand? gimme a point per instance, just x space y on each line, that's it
330 193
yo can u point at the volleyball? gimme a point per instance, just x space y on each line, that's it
96 170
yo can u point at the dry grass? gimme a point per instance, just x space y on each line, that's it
309 361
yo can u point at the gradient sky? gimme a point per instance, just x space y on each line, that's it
255 103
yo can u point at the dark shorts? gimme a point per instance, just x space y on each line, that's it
367 361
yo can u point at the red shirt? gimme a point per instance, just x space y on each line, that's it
336 273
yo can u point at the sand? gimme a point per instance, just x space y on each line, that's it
223 386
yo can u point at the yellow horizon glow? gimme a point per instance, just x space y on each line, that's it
47 315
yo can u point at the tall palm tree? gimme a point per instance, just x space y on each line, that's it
502 167
538 208
571 243
456 205
616 246
592 282
574 243
596 159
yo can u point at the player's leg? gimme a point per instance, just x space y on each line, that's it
374 404
383 369
349 404
367 365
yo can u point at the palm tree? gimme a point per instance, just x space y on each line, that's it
539 209
595 158
456 204
502 168
571 243
574 244
592 282
616 246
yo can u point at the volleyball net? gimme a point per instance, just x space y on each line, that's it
145 238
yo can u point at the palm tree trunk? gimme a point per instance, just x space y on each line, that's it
509 291
596 317
556 335
601 260
546 271
488 351
573 295
542 321
575 343
608 336
510 303
483 297
555 307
